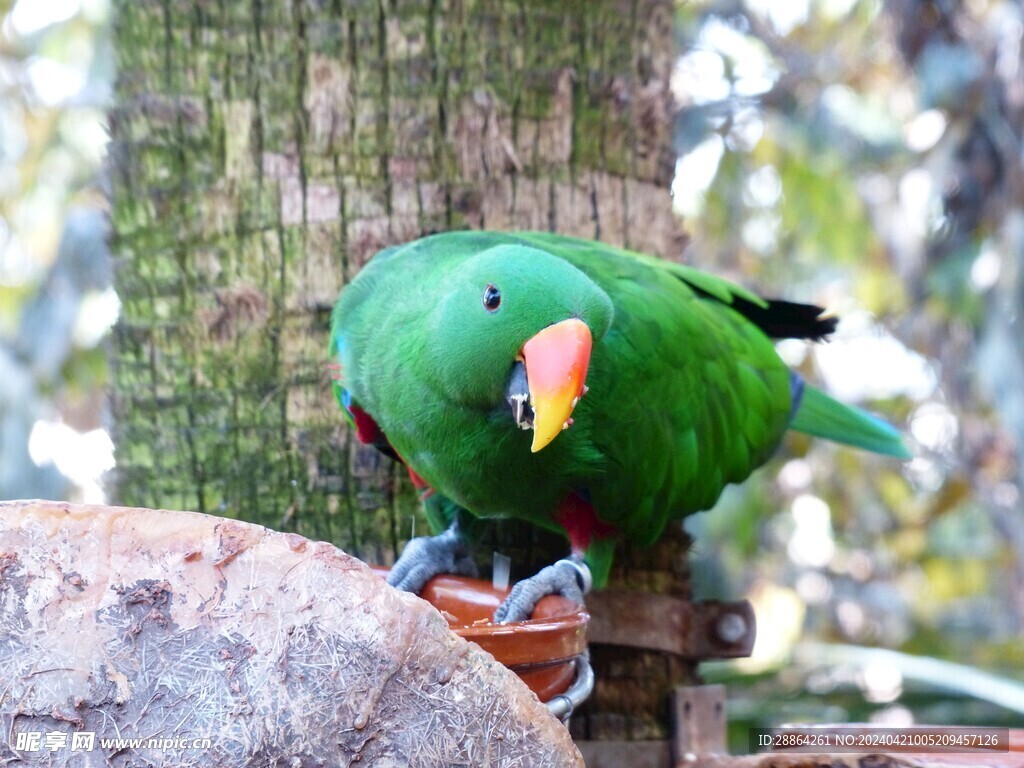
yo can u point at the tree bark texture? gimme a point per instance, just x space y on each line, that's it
263 151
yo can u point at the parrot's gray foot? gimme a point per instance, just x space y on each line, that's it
427 556
569 578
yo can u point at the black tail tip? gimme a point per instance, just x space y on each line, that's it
788 319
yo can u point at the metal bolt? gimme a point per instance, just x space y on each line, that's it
731 628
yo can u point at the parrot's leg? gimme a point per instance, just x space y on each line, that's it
427 556
569 578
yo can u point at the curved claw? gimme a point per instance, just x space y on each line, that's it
569 578
427 556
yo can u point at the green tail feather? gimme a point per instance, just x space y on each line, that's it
821 416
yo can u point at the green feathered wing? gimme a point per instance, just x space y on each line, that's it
693 394
686 394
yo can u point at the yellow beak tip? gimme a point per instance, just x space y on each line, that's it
540 442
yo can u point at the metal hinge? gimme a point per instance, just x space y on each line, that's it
701 630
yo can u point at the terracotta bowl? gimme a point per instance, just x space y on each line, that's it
541 650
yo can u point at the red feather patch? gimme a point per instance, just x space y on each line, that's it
581 523
417 481
366 428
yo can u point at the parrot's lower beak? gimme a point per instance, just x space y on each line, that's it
556 361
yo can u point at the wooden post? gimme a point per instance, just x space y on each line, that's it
263 151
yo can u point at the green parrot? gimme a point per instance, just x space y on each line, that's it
582 387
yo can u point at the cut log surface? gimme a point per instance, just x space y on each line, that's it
133 623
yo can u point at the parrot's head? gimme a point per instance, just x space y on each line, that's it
515 331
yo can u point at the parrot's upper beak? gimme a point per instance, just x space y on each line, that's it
556 361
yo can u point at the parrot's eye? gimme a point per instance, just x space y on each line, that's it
492 298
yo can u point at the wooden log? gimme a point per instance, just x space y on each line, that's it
175 626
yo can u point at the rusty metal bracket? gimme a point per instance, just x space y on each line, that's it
698 736
702 630
698 722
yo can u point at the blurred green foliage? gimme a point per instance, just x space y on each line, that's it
56 69
832 138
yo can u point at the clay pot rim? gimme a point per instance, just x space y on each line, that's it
578 617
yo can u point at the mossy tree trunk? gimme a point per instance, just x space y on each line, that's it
263 151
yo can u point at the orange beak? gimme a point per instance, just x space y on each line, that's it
556 361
